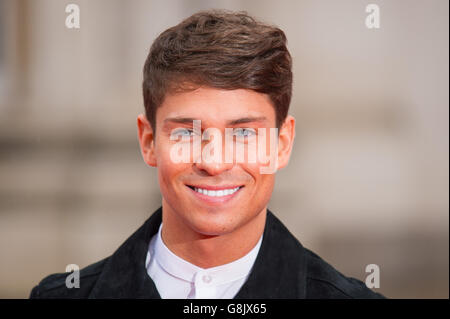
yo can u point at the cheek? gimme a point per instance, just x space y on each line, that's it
261 152
266 184
168 171
263 191
259 193
263 182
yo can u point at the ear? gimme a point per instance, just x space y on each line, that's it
286 141
146 140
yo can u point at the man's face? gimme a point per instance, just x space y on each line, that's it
212 197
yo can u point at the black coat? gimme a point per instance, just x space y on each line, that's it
283 269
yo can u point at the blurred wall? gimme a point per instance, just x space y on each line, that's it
367 182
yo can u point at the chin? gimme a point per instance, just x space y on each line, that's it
215 225
213 222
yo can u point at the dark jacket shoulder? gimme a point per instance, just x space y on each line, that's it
286 269
54 285
325 282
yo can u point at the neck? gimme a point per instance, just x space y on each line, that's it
206 251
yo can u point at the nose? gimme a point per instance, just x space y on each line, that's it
215 164
213 168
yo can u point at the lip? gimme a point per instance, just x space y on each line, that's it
215 187
214 199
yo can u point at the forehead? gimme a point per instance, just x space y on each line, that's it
216 106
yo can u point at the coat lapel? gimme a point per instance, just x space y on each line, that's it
280 268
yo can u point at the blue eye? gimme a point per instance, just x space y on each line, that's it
182 132
244 132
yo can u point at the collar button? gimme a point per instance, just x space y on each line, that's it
206 279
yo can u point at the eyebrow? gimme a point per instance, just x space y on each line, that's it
247 120
189 120
182 120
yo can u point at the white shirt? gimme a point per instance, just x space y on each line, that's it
175 278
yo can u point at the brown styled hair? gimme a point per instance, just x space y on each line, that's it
220 49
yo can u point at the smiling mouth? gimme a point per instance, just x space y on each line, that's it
215 192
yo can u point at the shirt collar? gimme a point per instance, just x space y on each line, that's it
183 269
280 269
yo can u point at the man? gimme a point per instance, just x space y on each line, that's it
217 89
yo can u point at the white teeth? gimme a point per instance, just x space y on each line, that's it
217 193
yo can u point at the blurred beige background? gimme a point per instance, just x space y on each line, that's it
368 180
